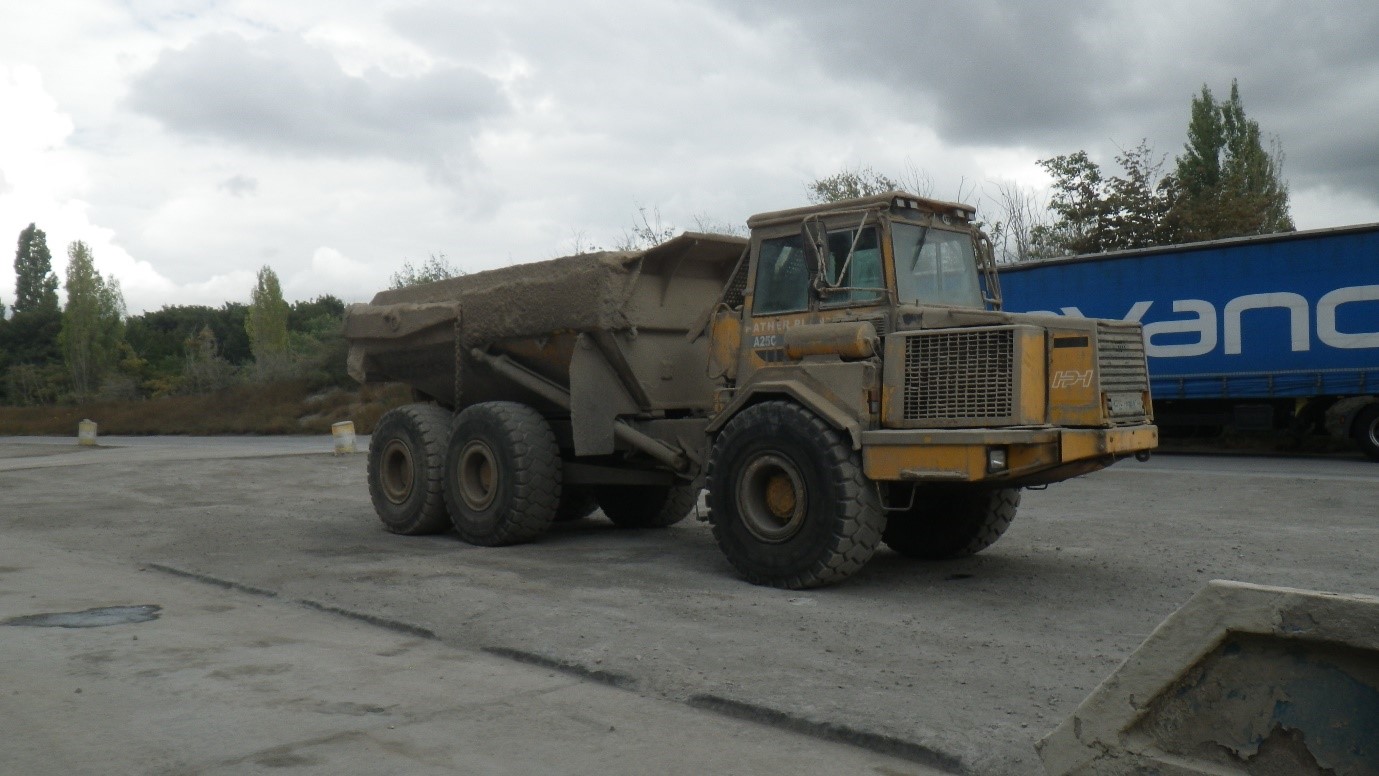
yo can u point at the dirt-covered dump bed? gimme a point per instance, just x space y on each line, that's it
530 311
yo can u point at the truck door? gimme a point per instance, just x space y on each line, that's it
780 299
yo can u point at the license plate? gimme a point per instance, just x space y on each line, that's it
1126 403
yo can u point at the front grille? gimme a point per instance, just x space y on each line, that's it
1120 362
959 375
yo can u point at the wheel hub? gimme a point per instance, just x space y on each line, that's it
477 471
397 472
772 498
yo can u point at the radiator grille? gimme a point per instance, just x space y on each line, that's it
955 375
1120 361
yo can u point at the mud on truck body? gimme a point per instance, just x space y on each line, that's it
842 379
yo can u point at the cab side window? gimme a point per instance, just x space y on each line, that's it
782 277
863 272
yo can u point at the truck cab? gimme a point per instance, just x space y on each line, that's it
883 314
865 364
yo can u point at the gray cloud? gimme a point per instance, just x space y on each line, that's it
279 94
239 185
1094 76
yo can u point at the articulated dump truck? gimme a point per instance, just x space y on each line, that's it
841 379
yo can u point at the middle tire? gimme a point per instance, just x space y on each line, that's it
788 501
502 474
952 521
646 506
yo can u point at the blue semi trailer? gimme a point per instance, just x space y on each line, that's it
1278 331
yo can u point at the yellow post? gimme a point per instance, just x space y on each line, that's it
86 432
344 436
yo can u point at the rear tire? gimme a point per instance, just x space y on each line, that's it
1366 431
502 474
646 506
789 504
407 469
952 522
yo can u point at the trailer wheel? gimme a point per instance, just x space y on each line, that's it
949 522
576 503
789 504
502 480
646 506
407 469
1366 431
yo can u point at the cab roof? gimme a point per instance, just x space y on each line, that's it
888 199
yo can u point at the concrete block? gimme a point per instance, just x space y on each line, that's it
1243 679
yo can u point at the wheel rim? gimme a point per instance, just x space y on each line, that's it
477 471
772 499
397 473
1373 432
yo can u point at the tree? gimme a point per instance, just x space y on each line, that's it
849 184
92 322
317 333
437 267
1020 216
35 284
1228 184
647 231
1096 213
1138 201
1078 202
267 324
203 368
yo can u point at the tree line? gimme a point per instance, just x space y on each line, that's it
90 348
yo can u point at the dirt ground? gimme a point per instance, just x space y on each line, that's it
959 666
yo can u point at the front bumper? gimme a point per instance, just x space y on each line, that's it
1032 455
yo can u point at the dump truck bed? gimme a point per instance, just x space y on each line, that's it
638 304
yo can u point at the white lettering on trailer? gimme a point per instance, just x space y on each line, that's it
1297 315
1326 318
1205 325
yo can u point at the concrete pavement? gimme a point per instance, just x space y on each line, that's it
234 681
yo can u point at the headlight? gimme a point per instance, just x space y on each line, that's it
996 459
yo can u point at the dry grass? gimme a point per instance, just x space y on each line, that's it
277 408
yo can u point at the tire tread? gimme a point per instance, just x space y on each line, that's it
431 425
860 521
536 476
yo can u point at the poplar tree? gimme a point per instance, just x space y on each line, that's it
92 321
266 322
35 284
1228 185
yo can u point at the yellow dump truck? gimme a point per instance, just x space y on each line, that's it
841 379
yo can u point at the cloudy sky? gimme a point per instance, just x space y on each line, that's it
190 143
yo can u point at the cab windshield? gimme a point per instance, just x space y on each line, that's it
934 266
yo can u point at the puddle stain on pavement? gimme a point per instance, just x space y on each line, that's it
90 618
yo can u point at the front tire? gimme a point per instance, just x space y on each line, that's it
502 474
1366 431
407 467
789 504
952 522
646 506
